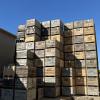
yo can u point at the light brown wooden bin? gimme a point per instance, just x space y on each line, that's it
93 90
92 81
78 31
89 30
89 22
59 38
40 45
33 30
78 24
52 52
51 71
81 90
89 38
32 37
79 55
80 81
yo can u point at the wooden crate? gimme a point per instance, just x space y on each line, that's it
69 56
52 81
6 94
78 24
40 45
78 39
24 71
79 47
69 25
68 33
78 31
68 81
90 54
88 23
20 34
61 55
79 55
93 81
39 53
51 71
69 64
45 31
52 52
90 46
94 91
91 63
52 61
68 48
21 28
33 22
89 38
80 81
80 72
30 45
51 91
81 90
32 37
21 46
92 72
59 38
67 72
29 94
68 40
67 91
25 83
46 24
56 31
89 30
39 62
24 54
33 30
56 22
80 63
52 43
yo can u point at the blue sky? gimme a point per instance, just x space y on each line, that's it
15 12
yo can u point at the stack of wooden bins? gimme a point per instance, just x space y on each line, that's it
80 55
52 69
91 58
7 89
53 60
39 65
21 33
68 72
25 81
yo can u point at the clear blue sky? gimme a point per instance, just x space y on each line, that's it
15 12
